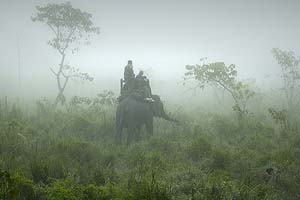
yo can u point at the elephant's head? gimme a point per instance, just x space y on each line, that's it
159 111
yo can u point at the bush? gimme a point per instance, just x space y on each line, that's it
199 149
15 187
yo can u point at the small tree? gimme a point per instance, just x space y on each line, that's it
218 74
70 27
290 72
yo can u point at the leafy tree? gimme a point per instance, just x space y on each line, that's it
290 72
70 27
15 186
281 118
218 74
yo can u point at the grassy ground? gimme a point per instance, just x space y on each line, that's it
70 153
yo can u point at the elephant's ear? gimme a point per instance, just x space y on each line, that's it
158 109
158 106
156 98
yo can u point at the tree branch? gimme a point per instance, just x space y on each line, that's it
56 74
65 84
68 39
230 91
64 74
55 32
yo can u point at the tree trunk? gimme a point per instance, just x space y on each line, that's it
59 76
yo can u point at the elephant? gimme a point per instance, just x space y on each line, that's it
132 113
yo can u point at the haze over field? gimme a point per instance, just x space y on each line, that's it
215 115
161 37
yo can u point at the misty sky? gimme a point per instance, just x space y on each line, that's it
161 37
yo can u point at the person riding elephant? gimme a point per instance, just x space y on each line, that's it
136 86
137 105
128 72
129 81
143 87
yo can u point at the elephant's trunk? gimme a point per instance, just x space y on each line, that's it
168 118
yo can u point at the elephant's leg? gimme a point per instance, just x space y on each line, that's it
138 133
131 132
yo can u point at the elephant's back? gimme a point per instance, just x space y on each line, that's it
132 106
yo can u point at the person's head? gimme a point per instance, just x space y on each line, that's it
141 73
129 62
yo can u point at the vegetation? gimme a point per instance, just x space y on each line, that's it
290 73
219 74
69 26
70 153
290 68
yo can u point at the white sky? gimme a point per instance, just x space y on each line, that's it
160 37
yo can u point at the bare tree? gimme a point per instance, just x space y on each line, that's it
70 27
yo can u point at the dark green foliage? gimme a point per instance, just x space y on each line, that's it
71 154
199 149
15 187
91 192
39 171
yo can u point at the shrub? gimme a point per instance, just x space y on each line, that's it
199 149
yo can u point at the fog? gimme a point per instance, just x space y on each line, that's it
161 37
202 128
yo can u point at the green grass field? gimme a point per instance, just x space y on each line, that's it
70 153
